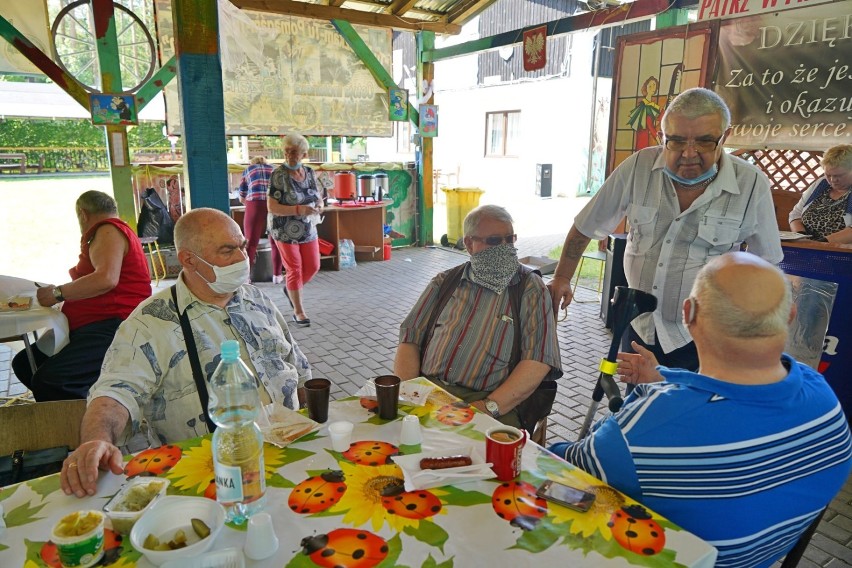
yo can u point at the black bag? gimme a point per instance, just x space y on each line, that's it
537 405
24 465
154 219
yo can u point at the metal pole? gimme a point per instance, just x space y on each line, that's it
597 49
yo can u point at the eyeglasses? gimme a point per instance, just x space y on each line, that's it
679 145
494 240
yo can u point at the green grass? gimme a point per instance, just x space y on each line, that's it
591 268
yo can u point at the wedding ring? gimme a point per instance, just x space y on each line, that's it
72 464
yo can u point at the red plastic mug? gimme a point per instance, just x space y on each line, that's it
504 446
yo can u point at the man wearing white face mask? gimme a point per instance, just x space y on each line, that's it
147 373
462 331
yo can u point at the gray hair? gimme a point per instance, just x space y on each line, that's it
737 321
697 102
298 141
838 157
258 160
97 203
472 219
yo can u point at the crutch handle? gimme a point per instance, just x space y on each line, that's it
612 392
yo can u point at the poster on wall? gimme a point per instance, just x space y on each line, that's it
652 68
284 74
787 77
397 104
118 108
429 121
535 48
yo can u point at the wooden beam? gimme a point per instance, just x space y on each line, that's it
425 162
362 50
319 12
614 16
156 83
400 7
336 3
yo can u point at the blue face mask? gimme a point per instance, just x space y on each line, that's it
293 168
694 181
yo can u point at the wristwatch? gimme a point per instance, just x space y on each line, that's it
57 294
492 408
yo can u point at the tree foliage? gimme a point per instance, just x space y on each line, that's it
73 133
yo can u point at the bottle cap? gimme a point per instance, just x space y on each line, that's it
230 350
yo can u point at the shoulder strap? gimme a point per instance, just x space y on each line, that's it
516 292
192 353
445 292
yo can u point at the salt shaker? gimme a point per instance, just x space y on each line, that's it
410 433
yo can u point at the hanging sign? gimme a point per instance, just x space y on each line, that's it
429 121
397 104
110 109
535 48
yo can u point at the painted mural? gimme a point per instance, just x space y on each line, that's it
286 74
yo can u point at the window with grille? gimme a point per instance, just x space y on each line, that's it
502 133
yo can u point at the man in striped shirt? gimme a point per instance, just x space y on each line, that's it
470 351
686 202
748 451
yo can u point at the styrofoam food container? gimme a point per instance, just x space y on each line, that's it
123 520
171 513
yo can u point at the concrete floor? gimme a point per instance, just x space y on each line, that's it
355 317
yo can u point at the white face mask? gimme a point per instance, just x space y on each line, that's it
228 278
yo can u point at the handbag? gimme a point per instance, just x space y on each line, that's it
23 465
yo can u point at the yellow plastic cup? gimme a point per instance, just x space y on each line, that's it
79 539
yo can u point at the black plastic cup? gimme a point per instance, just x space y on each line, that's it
317 392
387 393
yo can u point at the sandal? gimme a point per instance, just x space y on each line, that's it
301 323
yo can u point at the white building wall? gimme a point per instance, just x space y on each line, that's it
555 126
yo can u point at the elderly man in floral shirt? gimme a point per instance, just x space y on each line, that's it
147 373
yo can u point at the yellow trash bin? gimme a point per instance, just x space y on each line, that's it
460 202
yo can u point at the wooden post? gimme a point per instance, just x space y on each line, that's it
118 154
202 104
426 209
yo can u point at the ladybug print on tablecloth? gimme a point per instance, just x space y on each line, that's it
370 452
455 414
317 493
112 550
346 548
517 502
634 529
153 461
420 504
370 404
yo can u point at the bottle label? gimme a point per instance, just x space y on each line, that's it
229 483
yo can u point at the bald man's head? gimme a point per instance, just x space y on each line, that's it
743 296
197 228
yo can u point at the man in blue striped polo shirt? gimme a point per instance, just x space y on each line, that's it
746 452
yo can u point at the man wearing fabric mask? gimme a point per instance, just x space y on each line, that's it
147 373
461 332
686 202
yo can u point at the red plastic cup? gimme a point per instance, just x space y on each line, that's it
504 446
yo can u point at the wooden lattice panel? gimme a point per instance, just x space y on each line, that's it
787 170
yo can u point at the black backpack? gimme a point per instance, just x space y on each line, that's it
154 219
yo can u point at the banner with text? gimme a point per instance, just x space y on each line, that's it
713 9
787 77
285 74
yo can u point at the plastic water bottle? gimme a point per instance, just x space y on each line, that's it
237 441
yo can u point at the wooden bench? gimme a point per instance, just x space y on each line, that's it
13 162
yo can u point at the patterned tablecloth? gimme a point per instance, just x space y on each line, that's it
479 523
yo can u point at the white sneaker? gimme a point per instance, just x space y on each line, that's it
278 279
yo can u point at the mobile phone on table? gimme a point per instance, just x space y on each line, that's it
566 495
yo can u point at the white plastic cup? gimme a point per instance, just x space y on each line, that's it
341 435
409 434
261 541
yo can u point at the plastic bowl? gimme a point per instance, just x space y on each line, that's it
171 513
79 539
139 493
